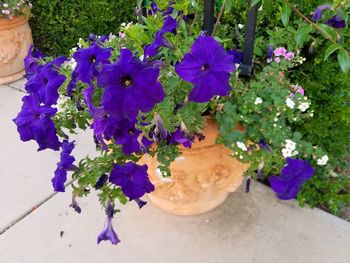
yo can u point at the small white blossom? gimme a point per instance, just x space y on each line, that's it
242 146
323 161
161 176
61 102
290 103
240 26
303 106
290 145
258 100
275 119
275 125
311 114
241 157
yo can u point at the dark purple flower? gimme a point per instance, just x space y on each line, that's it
65 164
127 135
140 202
293 176
108 232
75 205
269 53
101 181
44 85
73 82
237 55
169 26
154 8
336 22
318 12
208 67
132 178
90 60
130 86
98 39
180 137
151 50
34 123
31 61
265 146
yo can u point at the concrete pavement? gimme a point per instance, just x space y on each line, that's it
254 227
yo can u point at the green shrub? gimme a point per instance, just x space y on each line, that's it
58 25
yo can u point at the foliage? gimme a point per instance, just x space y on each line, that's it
58 25
11 8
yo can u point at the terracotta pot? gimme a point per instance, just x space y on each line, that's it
201 178
15 39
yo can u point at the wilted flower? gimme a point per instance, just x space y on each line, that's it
336 22
65 164
293 176
237 55
132 178
208 67
108 232
319 11
31 61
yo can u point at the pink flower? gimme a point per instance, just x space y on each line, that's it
277 60
289 56
300 90
281 51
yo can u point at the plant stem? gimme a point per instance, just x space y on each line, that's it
312 24
219 17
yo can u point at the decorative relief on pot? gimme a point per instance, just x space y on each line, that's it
15 39
200 180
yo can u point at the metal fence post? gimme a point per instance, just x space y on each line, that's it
209 18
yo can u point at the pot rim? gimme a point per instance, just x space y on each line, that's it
14 22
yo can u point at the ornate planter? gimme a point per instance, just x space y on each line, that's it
201 178
15 39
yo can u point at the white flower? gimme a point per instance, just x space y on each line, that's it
290 103
240 26
286 153
323 161
275 119
241 157
71 64
258 100
311 114
290 145
161 176
303 106
242 146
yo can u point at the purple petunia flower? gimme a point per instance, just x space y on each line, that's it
130 86
208 67
293 176
98 39
44 85
140 202
237 55
169 26
108 232
269 53
180 137
34 123
65 164
265 146
336 22
90 60
132 178
319 11
154 8
127 135
31 61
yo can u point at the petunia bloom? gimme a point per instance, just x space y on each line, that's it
129 86
208 67
108 232
237 55
319 11
127 135
293 176
336 22
180 137
34 123
90 60
31 61
44 85
65 164
132 178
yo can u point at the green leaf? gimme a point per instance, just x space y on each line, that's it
328 31
344 60
302 34
268 6
254 2
285 14
331 49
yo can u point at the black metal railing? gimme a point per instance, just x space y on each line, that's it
246 66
